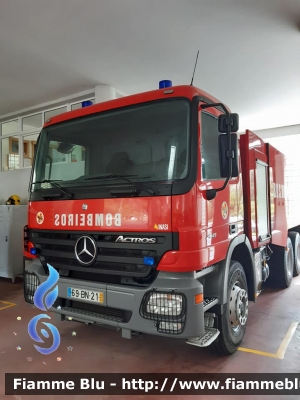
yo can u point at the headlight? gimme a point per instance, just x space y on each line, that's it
167 310
164 304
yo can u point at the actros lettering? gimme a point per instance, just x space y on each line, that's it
123 239
88 219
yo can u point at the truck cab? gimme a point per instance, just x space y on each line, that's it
140 206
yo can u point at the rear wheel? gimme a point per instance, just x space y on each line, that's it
295 239
232 323
281 266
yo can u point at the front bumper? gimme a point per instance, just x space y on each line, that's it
127 299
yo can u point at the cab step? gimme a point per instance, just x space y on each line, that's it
209 336
209 302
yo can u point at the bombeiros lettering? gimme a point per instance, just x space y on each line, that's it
122 239
88 219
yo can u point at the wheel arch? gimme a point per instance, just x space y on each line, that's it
239 250
244 256
295 229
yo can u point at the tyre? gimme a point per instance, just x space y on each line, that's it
232 323
295 239
281 265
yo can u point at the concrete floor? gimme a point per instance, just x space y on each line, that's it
97 349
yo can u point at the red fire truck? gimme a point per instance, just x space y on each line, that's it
158 217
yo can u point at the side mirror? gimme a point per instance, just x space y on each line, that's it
65 148
224 121
224 156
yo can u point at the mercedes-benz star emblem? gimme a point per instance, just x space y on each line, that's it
86 250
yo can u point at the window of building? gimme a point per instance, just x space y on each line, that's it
78 105
29 145
32 122
56 111
10 127
10 153
18 137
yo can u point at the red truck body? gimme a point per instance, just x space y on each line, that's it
243 223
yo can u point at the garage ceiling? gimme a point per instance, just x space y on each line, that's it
249 51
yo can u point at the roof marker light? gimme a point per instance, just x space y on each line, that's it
165 84
86 103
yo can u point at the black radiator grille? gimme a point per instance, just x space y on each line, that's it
113 258
126 252
103 251
58 247
89 276
122 315
98 265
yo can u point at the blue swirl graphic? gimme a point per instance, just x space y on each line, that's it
40 294
45 333
34 335
44 299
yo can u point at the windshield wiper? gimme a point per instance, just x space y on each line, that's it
125 178
56 185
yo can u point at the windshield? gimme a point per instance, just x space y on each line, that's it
146 143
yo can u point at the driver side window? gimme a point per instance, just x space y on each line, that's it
209 146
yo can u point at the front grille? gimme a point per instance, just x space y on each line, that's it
89 276
108 313
109 267
57 247
122 267
126 252
103 251
113 258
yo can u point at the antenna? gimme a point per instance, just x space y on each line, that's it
194 68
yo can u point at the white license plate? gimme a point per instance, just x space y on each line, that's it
82 294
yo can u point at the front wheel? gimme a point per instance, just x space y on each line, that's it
232 323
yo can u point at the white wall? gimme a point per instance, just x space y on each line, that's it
14 182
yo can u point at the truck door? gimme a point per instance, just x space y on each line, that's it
219 216
261 188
